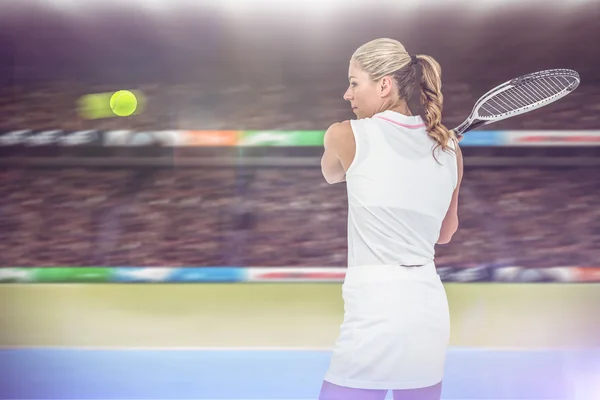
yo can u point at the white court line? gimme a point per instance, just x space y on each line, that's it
268 348
170 348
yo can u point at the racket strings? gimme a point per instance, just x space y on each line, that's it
525 95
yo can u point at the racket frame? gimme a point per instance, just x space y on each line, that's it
475 121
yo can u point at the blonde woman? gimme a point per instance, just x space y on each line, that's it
403 174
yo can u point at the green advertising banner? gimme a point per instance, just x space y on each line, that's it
281 138
72 274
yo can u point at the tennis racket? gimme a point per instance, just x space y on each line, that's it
518 96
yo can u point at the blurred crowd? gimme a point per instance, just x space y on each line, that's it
251 71
535 217
52 105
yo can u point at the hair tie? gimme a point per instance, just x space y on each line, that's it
414 60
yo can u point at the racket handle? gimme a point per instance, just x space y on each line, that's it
469 125
461 129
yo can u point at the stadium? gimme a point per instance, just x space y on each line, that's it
192 249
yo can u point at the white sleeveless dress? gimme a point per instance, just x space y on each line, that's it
396 321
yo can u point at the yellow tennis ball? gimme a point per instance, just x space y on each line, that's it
123 103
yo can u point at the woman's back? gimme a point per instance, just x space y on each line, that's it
398 193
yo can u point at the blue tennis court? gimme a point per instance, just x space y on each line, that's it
277 374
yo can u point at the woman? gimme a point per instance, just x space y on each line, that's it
403 175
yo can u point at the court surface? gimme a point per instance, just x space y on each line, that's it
272 341
276 374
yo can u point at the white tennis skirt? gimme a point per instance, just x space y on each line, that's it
396 329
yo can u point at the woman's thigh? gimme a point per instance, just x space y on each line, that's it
329 391
428 393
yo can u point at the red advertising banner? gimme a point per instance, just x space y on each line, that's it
210 138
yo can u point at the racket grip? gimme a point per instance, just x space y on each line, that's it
469 125
461 129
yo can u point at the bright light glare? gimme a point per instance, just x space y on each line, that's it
248 5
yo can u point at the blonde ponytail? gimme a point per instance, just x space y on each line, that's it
432 100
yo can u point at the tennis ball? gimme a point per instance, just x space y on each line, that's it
123 103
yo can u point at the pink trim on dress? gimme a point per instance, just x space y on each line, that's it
400 124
